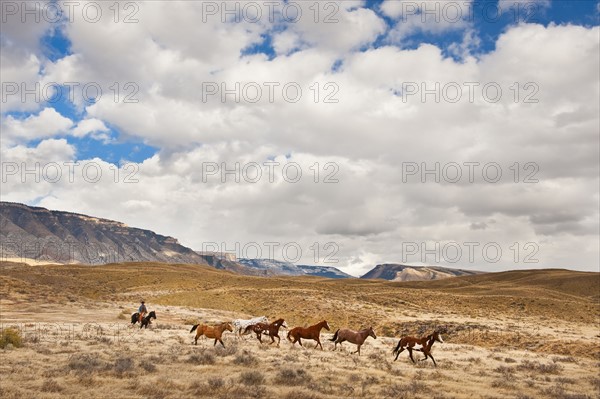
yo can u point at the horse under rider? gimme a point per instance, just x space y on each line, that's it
142 311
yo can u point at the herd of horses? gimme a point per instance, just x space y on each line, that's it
261 327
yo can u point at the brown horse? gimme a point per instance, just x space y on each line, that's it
355 337
312 332
211 332
425 342
272 330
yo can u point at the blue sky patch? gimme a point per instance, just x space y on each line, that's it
486 22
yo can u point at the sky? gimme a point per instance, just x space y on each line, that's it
347 134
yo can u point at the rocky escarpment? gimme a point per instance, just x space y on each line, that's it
33 233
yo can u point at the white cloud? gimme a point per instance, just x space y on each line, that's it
524 8
92 126
368 134
434 17
47 123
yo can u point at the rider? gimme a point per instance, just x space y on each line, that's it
142 311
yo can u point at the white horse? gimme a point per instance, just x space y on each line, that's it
240 325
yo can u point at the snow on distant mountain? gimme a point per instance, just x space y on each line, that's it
324 271
277 267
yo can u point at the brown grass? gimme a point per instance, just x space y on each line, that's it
525 337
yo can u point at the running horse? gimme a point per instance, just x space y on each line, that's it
215 332
312 332
272 330
355 337
240 325
425 342
145 321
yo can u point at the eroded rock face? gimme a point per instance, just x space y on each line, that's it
38 234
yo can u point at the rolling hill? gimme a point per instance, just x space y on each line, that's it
399 272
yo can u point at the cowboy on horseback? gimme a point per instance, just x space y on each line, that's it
142 311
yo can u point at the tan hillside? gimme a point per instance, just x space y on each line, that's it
531 332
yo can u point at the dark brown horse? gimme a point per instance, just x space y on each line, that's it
145 321
355 337
424 345
312 332
272 330
211 332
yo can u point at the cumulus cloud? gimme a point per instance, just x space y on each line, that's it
434 17
47 123
94 127
363 118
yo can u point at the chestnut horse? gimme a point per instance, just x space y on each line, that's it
272 330
355 337
312 332
426 343
211 332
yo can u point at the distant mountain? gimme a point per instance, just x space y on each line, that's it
273 267
399 272
281 268
33 234
222 263
38 234
324 271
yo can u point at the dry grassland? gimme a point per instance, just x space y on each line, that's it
528 334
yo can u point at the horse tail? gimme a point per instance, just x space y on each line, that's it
248 329
193 328
397 347
288 335
335 335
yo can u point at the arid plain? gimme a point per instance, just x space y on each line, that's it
519 334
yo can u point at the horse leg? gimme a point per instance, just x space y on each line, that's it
221 341
410 354
434 363
319 344
357 350
398 353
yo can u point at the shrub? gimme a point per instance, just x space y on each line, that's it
245 359
405 390
11 336
230 349
216 383
51 386
550 368
123 364
148 365
84 363
289 376
202 358
298 394
257 392
252 378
